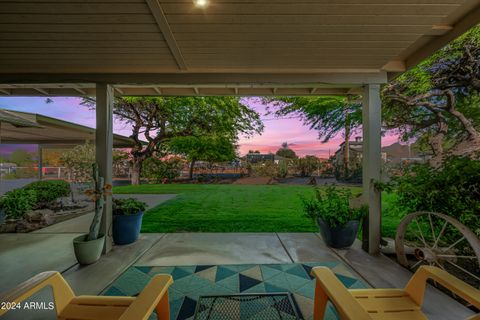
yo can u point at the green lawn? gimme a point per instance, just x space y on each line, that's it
230 208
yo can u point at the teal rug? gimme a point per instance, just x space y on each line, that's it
191 282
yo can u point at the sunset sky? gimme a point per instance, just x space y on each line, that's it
299 137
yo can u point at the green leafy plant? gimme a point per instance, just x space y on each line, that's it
78 162
128 206
17 202
282 169
332 205
48 191
306 166
263 169
452 189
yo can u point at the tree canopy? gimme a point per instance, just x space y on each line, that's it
160 119
21 157
437 102
286 152
328 115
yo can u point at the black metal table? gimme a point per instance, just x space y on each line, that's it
258 306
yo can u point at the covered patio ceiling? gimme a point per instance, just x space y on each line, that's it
229 47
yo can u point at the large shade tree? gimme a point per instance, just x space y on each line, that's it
160 119
437 102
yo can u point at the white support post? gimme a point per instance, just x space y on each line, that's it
103 151
372 161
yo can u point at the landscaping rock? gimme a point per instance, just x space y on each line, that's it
43 217
9 226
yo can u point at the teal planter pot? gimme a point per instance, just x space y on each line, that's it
126 228
88 252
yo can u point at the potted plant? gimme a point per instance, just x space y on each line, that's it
88 247
127 220
337 219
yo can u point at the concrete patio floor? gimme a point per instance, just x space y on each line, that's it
22 256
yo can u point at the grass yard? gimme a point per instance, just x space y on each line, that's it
230 208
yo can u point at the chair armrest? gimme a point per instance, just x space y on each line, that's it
346 305
61 290
148 299
417 284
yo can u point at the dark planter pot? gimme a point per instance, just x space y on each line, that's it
126 228
340 236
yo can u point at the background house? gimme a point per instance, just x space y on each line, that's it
264 157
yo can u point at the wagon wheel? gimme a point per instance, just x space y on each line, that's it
431 238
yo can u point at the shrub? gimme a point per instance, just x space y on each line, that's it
354 175
306 166
78 162
157 170
263 169
452 189
17 202
282 171
23 173
48 191
127 206
333 206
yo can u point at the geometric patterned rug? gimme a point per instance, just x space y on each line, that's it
191 282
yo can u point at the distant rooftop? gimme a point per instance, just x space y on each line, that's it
31 128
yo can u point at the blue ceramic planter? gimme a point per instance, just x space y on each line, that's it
126 228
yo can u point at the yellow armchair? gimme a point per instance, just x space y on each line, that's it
69 306
385 304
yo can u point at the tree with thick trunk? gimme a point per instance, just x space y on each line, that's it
155 121
438 101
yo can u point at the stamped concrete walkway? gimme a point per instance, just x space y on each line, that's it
81 224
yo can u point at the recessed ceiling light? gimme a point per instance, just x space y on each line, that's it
201 3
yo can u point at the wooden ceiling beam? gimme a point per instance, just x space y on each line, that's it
79 90
198 79
167 33
42 91
464 24
440 29
395 66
